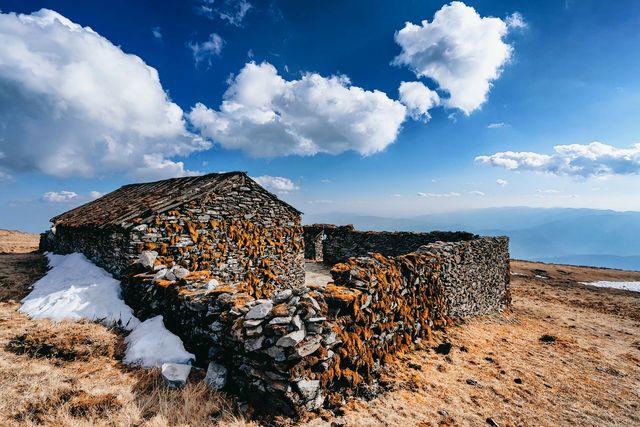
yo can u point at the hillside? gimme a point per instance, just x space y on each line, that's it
12 241
567 353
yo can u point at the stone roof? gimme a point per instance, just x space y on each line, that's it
134 203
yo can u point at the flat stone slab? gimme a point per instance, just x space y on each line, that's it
216 377
175 374
259 311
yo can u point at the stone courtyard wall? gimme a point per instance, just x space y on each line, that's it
342 242
302 348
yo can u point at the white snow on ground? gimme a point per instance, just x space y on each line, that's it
627 286
74 288
151 345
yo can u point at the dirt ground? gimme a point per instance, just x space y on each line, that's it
12 241
566 354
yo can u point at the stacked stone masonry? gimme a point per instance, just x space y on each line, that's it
333 244
305 347
225 268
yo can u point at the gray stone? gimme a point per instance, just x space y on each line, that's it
307 348
280 320
316 319
148 258
253 344
308 389
161 274
170 276
252 323
283 296
259 311
254 332
276 353
216 377
175 374
297 323
291 339
180 272
212 284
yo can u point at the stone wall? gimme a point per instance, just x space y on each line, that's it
242 235
342 242
313 242
302 348
239 237
475 275
106 247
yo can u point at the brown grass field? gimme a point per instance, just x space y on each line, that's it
566 354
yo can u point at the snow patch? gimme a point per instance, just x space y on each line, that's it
74 288
151 344
627 286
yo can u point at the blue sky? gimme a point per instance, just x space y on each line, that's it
559 73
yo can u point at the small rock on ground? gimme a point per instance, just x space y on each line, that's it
175 374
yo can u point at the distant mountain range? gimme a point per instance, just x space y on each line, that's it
593 237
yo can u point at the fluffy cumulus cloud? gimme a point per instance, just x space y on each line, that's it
265 115
460 50
74 104
276 183
59 196
205 52
579 160
502 182
418 99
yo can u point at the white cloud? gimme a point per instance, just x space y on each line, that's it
74 104
325 181
95 194
266 115
450 194
496 125
320 202
5 176
59 196
418 99
477 193
276 183
460 50
207 50
157 32
502 182
232 11
516 20
547 191
581 160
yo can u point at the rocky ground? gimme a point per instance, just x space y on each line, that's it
566 354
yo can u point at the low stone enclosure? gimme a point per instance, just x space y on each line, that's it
222 260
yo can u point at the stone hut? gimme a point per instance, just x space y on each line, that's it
223 226
222 260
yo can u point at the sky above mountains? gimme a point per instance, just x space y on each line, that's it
364 107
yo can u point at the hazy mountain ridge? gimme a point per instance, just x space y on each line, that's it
574 236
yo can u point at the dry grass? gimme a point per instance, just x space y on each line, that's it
12 241
70 374
567 354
